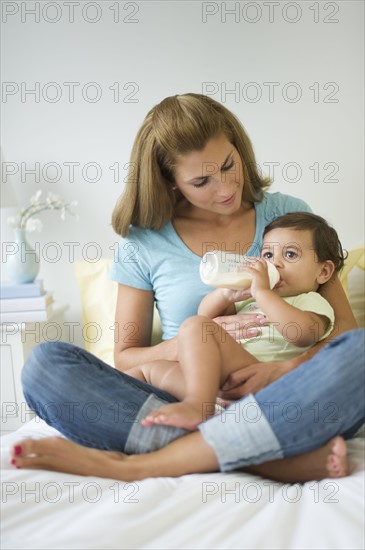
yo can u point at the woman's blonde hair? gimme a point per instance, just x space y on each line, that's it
177 126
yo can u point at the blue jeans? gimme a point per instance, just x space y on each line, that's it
98 406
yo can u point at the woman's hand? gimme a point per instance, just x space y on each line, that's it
242 325
253 378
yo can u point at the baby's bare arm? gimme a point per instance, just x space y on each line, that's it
282 315
216 303
221 302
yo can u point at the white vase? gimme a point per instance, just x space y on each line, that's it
22 264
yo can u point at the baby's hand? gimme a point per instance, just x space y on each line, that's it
260 276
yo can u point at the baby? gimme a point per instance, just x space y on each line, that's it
307 252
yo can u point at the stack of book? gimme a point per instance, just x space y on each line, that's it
24 303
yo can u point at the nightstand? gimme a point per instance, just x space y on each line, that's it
17 340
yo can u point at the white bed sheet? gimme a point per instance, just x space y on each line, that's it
43 509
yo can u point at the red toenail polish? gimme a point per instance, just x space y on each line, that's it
17 450
19 467
12 461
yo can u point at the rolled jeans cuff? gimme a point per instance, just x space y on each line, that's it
145 439
241 436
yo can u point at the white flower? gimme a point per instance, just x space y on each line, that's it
33 224
53 199
24 220
34 200
13 221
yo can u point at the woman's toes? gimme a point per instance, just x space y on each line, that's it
339 447
25 447
45 446
337 463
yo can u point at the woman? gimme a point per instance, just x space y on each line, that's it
194 186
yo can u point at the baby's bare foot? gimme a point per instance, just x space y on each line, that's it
181 415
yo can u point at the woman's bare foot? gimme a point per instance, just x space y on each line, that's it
181 415
337 462
327 461
61 455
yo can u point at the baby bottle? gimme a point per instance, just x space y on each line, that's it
225 269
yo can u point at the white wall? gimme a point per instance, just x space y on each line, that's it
307 54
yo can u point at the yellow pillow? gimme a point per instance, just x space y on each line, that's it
355 258
99 297
352 278
98 302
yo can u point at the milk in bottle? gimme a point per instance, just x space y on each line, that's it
225 269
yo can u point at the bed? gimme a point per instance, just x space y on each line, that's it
42 509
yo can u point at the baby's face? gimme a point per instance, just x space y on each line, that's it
292 253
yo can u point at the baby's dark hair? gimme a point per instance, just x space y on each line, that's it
326 243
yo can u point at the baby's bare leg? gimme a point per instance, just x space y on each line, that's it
207 355
166 375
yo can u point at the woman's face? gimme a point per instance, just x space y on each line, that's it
212 179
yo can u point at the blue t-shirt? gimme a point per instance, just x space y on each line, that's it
161 262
